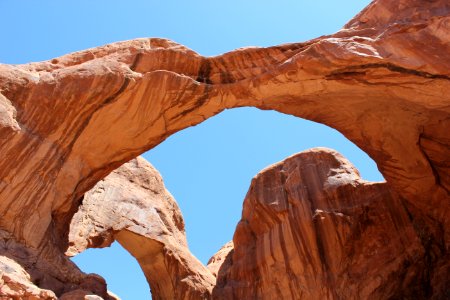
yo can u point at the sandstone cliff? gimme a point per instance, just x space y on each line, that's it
65 124
311 228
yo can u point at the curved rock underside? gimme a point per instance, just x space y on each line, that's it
132 206
382 81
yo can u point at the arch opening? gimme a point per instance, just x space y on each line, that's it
353 81
118 267
208 169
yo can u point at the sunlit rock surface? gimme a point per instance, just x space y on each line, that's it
382 81
311 228
132 206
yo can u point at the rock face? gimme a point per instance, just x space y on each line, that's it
218 260
42 269
132 206
311 228
65 124
15 283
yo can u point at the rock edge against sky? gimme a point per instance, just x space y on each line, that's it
382 81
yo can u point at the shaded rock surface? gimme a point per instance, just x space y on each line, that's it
48 269
132 206
15 283
65 124
311 228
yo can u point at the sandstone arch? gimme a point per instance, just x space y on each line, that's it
132 206
381 81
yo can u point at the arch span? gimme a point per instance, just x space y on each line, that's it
133 207
68 122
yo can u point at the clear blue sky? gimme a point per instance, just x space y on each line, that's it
207 168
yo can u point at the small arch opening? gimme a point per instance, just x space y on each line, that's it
119 268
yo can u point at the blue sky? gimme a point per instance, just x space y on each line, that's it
208 167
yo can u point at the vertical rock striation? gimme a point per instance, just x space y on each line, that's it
311 228
66 123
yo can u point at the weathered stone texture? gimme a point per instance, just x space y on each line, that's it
132 206
382 81
311 228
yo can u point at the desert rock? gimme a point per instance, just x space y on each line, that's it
311 228
132 206
15 283
65 124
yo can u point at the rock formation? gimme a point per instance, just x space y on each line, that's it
132 206
311 228
15 283
66 123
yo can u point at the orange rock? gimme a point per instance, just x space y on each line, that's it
218 260
15 283
382 81
132 206
311 228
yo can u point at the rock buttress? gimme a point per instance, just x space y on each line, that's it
311 228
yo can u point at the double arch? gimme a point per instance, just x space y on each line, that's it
70 121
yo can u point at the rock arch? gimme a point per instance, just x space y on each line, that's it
381 81
132 206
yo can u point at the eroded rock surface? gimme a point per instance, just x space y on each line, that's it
15 283
132 206
218 260
311 228
47 269
65 124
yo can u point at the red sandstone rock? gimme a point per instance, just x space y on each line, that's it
15 283
86 295
382 81
218 260
132 206
311 228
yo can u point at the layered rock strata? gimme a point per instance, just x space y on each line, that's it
66 123
132 206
